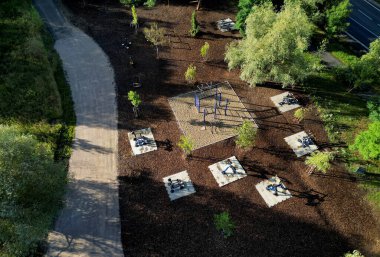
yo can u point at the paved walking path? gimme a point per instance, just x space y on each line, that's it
89 224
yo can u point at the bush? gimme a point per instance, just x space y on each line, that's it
355 253
320 160
135 20
368 142
186 144
194 25
150 3
246 135
224 223
191 73
31 187
374 110
204 51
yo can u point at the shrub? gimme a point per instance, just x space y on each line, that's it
368 142
155 35
374 111
246 135
320 160
186 144
204 51
31 187
150 3
191 73
194 25
300 113
224 223
355 253
134 97
135 20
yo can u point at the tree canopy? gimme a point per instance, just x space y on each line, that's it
275 45
368 142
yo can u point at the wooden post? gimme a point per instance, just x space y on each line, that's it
199 4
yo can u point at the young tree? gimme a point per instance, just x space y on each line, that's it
135 21
150 3
321 161
300 113
224 223
155 35
246 135
186 144
245 8
275 47
368 142
135 99
194 25
204 51
337 17
190 74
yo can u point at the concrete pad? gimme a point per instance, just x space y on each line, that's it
297 146
151 146
222 180
285 107
188 190
269 197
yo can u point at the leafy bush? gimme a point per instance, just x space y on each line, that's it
134 97
300 113
150 3
224 223
355 253
246 135
155 35
135 20
194 25
191 73
368 142
186 144
320 160
245 8
204 50
374 110
337 17
31 187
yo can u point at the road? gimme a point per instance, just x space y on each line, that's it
364 22
89 224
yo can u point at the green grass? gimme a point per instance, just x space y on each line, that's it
34 93
342 53
344 115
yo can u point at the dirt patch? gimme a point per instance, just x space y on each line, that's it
326 216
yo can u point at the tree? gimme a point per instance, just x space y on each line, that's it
194 25
191 73
224 223
337 17
150 3
368 142
31 188
135 21
155 35
186 144
374 110
204 51
246 135
245 8
364 71
275 47
321 161
135 99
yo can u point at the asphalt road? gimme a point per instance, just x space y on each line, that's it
364 22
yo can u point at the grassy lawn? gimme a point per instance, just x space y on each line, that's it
344 115
34 96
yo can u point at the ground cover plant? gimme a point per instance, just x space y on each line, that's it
322 217
37 117
224 223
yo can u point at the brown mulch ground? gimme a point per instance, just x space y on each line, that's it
326 216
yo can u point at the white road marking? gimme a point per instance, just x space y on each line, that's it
354 38
364 27
372 5
365 14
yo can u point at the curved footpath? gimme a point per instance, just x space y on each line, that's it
89 224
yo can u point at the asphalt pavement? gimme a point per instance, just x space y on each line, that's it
364 22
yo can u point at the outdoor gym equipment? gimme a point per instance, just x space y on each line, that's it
229 166
288 99
305 141
274 187
140 141
176 184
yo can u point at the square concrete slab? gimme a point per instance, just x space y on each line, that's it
224 179
297 146
269 197
176 193
285 107
147 133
